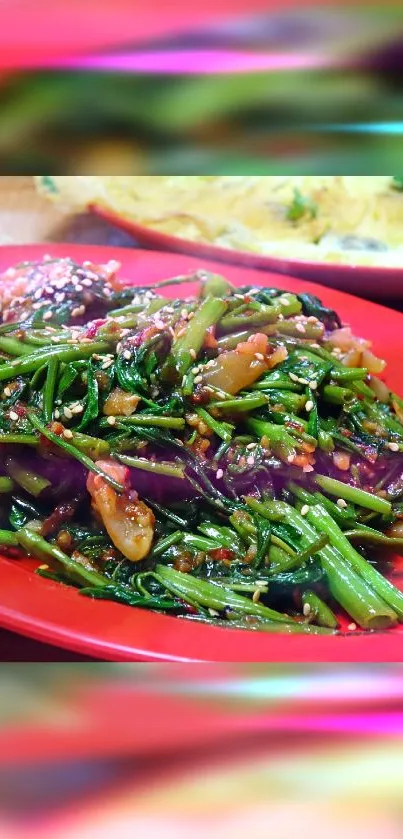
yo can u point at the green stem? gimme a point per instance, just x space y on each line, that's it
14 346
353 494
281 441
281 561
49 389
30 363
243 403
19 439
173 470
29 481
353 592
36 546
336 395
6 485
166 542
223 429
73 451
207 314
214 285
319 611
262 625
318 516
8 538
146 420
349 374
212 595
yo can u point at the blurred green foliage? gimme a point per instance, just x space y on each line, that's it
266 123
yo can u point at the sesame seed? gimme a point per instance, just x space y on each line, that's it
106 364
180 333
195 370
79 287
309 405
213 613
305 509
394 447
47 316
111 420
67 434
251 446
250 460
159 324
352 626
79 310
300 327
191 315
303 382
192 353
38 294
308 468
37 306
293 377
198 379
184 314
290 458
341 503
256 595
219 474
86 282
7 391
77 409
259 356
67 413
313 385
306 610
13 416
119 346
57 413
127 355
169 309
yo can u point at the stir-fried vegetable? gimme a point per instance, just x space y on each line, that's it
232 457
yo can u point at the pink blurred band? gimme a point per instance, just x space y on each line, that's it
190 62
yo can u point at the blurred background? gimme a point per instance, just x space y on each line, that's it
223 88
92 750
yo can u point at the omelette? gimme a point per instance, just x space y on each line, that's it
330 218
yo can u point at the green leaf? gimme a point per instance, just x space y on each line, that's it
301 206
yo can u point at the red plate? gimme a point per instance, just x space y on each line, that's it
370 281
59 615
